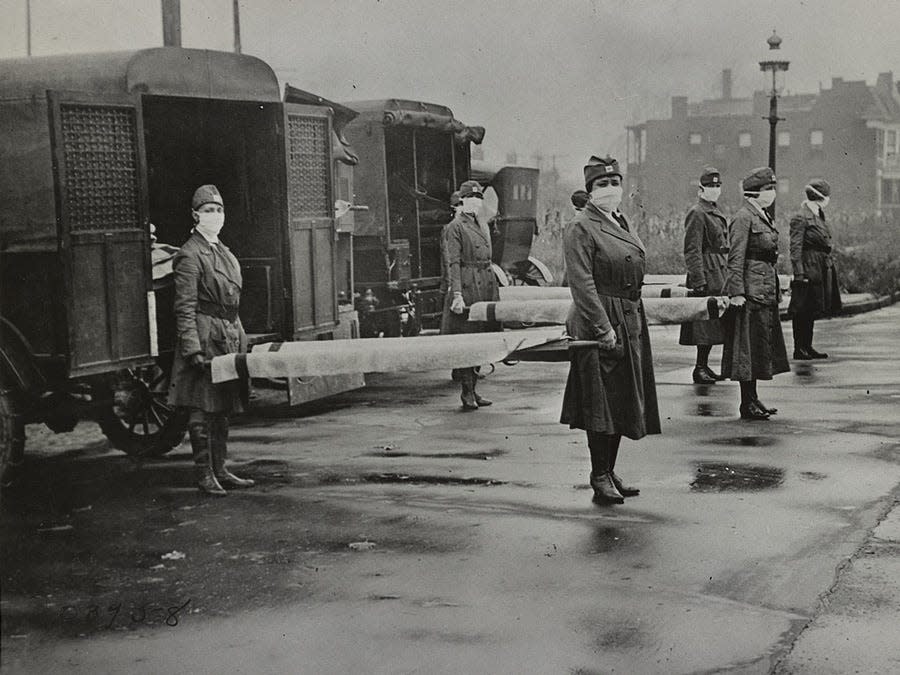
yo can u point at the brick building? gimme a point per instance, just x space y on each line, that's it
851 125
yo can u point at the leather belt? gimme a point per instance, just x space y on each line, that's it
217 311
478 264
765 256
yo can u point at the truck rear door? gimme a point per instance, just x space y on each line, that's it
104 241
310 209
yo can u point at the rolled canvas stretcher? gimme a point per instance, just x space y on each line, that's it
378 355
659 311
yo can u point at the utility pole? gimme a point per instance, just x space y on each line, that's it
28 27
171 20
236 11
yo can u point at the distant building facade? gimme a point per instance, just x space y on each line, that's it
849 134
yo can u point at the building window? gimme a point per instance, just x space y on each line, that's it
890 191
744 139
816 138
784 185
784 139
890 141
695 139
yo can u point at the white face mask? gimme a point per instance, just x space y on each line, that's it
607 198
210 223
472 205
710 194
824 202
765 198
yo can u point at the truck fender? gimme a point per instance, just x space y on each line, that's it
19 370
541 270
502 277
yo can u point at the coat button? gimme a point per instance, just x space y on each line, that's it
628 257
628 285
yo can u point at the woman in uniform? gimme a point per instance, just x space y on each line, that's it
814 290
466 278
705 252
207 296
754 344
611 391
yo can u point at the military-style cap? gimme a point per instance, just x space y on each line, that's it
759 179
206 194
710 177
600 167
470 188
821 186
580 198
455 199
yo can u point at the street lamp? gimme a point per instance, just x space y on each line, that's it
773 62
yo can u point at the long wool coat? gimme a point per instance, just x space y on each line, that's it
811 258
705 256
466 259
754 344
605 267
207 295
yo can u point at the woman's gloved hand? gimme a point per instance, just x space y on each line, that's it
457 305
198 361
738 301
607 340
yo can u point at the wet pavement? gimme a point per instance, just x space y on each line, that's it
390 532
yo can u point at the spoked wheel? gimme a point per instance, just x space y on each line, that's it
12 440
140 420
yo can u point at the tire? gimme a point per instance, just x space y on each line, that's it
12 441
140 422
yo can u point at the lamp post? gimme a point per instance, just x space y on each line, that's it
774 63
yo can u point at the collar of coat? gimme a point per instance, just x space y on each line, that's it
209 249
814 207
609 225
473 224
758 210
711 207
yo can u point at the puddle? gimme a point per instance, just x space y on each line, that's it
728 477
710 410
702 389
805 370
427 480
472 454
743 441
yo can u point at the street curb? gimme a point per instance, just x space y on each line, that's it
860 307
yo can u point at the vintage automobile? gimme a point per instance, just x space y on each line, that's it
511 198
413 155
97 147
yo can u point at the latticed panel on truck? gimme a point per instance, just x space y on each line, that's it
309 193
100 154
101 194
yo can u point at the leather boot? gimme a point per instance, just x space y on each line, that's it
467 380
703 375
481 401
752 411
605 491
219 444
624 490
203 470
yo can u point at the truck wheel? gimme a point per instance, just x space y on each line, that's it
140 421
12 441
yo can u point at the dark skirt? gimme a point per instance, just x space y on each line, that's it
614 395
816 298
754 344
707 332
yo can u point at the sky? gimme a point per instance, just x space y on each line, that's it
557 78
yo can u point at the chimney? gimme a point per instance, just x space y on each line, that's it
726 84
171 19
885 81
679 107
